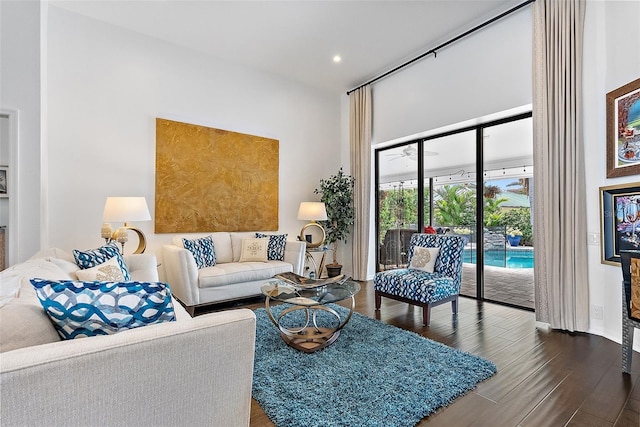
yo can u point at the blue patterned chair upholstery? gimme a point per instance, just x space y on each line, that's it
419 287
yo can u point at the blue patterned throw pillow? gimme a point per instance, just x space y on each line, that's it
275 248
203 251
92 257
85 309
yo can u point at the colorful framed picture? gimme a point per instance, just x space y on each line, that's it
623 130
4 187
619 220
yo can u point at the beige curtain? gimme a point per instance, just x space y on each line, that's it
560 230
360 143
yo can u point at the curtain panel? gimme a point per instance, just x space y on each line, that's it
360 157
560 230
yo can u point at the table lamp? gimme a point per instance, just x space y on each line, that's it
312 211
125 210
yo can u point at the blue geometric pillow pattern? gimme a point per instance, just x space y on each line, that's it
449 261
85 309
275 247
415 285
203 251
92 257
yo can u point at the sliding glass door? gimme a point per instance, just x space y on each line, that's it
475 182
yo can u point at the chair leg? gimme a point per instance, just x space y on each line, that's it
426 314
378 300
627 344
454 306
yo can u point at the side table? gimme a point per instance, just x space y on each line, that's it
310 263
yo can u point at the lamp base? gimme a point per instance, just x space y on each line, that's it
142 241
316 231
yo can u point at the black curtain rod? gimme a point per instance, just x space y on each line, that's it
435 50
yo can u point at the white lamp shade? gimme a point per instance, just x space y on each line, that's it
126 209
312 211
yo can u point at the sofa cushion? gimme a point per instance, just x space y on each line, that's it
415 285
92 257
24 323
221 243
236 243
203 251
82 309
277 243
254 250
109 270
239 272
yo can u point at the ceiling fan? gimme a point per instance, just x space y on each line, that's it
411 152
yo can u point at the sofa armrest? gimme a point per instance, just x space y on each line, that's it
181 273
143 267
195 372
294 254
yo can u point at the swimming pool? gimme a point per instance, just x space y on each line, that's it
509 258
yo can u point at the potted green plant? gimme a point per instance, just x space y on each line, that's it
336 193
513 236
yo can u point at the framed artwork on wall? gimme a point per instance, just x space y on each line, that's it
623 130
619 220
4 187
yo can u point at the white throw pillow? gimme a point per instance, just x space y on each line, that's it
109 271
424 258
254 250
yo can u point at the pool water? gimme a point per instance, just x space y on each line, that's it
509 258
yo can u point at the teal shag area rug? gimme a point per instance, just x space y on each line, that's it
373 375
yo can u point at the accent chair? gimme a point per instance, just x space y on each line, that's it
423 288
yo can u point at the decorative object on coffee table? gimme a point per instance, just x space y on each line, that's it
337 194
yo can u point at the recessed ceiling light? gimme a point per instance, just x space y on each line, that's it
337 58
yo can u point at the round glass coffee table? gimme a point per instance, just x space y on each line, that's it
307 335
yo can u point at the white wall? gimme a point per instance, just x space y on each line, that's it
487 72
611 59
106 88
20 68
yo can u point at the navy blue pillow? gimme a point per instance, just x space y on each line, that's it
92 257
203 251
275 247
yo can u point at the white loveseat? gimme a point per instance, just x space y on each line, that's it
188 372
228 279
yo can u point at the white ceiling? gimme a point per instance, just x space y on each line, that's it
298 39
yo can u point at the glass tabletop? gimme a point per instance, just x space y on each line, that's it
284 292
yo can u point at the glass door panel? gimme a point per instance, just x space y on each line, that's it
507 201
397 204
450 171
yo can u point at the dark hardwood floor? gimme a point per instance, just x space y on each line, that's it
545 378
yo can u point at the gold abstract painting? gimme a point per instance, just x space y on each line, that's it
214 180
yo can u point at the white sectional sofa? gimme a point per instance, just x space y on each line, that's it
229 279
187 372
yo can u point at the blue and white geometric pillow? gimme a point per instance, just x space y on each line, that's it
275 248
92 257
203 251
85 309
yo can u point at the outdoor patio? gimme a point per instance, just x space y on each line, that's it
509 285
